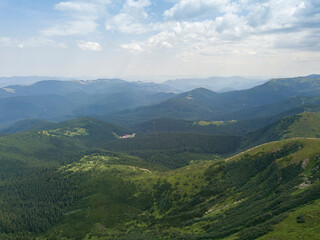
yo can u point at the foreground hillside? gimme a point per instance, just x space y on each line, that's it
80 180
256 193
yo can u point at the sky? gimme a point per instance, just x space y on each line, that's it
159 39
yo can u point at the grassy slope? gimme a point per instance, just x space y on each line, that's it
242 197
306 124
99 194
303 223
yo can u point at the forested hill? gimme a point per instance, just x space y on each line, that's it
306 124
67 191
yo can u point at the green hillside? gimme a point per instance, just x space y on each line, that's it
174 150
243 197
68 190
306 124
78 180
233 127
27 124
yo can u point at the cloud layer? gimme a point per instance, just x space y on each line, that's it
182 31
93 46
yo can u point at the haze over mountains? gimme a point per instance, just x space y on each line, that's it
136 102
58 100
216 84
7 81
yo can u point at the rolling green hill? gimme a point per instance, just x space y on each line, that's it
258 193
67 188
78 180
27 124
174 150
306 124
233 127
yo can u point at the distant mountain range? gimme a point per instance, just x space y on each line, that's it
100 86
131 103
61 100
216 84
18 80
259 101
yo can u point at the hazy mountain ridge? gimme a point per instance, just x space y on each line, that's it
27 80
132 103
217 84
62 100
203 104
99 86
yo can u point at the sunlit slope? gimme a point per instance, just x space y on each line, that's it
306 124
67 186
243 197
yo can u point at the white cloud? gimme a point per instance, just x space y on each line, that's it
74 27
30 43
174 34
131 19
93 46
186 9
41 42
81 18
81 7
132 47
190 30
6 42
194 25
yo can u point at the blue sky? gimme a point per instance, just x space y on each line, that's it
147 39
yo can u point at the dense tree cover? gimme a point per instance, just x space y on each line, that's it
190 142
301 125
63 182
174 150
244 197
